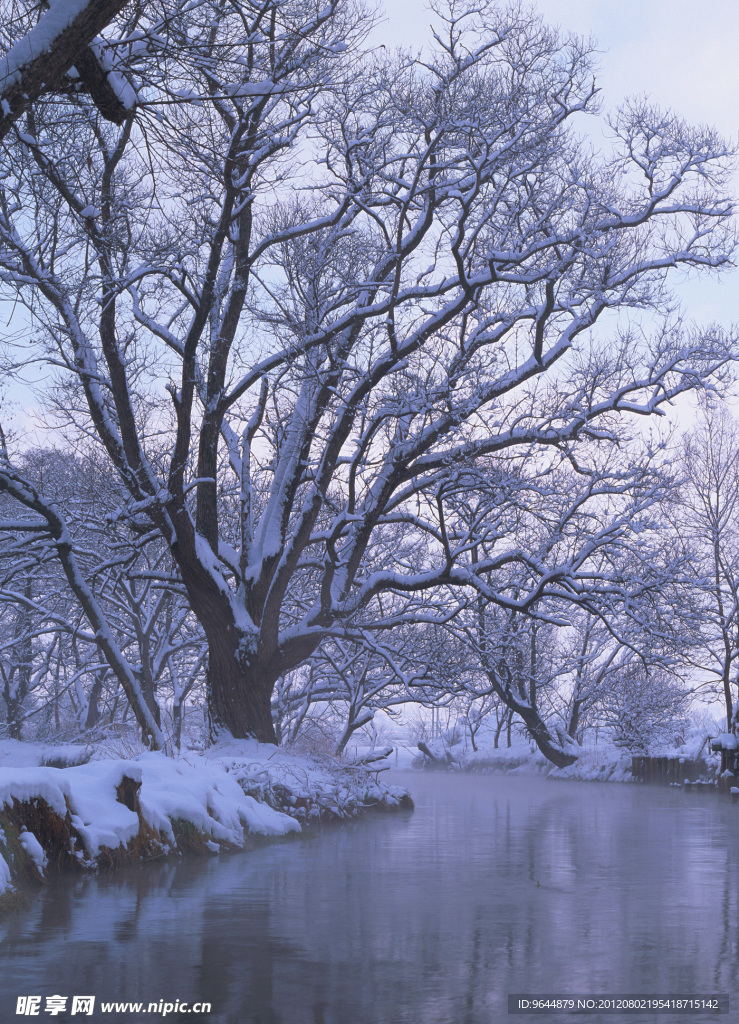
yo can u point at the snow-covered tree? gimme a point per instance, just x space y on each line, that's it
303 284
352 680
642 709
590 656
706 518
574 577
49 657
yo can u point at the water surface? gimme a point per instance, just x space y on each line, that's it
495 885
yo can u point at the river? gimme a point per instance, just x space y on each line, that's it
495 885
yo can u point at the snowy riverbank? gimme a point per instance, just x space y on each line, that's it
56 814
602 762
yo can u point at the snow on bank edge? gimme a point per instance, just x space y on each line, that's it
194 791
306 788
234 789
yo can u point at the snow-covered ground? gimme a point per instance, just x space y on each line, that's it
601 761
110 805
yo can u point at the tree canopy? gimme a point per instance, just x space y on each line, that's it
364 336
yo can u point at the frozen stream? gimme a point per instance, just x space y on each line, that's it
495 885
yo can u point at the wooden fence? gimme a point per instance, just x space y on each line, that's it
666 770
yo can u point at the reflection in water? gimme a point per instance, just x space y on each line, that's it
495 885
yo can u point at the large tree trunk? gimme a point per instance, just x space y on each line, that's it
239 698
239 689
241 674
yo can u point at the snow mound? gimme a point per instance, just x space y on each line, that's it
309 789
5 880
20 754
151 804
34 849
88 791
91 793
201 793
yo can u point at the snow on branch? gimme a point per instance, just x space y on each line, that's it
37 62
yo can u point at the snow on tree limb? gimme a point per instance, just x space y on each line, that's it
38 61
